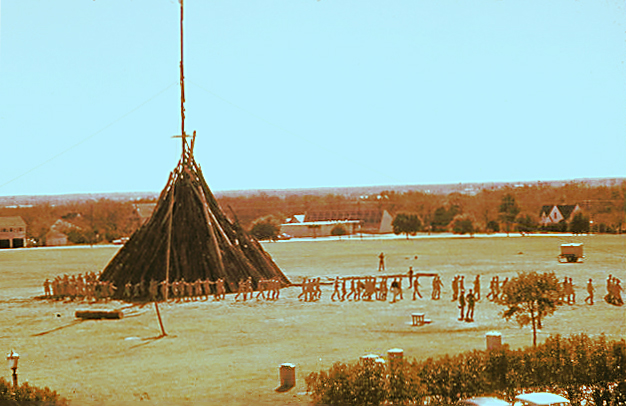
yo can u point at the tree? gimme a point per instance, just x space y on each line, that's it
493 226
530 297
406 223
339 230
579 224
265 228
463 225
443 216
508 211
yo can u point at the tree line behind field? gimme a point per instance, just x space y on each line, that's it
504 209
487 210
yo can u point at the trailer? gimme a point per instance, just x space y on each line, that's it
572 252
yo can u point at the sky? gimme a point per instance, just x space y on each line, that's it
310 93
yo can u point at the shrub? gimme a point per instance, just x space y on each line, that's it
29 395
338 230
582 368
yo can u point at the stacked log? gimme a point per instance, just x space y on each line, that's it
188 238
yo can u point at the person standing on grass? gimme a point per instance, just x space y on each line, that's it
153 289
410 277
455 288
46 288
381 262
416 288
437 285
590 290
383 289
336 290
343 289
571 297
471 302
128 291
164 290
394 290
352 292
462 305
220 289
477 287
304 289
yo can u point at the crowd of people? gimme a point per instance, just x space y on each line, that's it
352 288
84 287
268 289
88 287
614 291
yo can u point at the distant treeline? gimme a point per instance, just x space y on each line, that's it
604 205
105 220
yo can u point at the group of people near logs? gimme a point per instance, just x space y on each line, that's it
350 288
86 287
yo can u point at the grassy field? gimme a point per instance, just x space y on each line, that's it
229 352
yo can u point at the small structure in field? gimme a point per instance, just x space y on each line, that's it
572 252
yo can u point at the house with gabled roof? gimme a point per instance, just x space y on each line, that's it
554 214
144 211
12 232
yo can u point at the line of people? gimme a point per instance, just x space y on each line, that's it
268 289
86 287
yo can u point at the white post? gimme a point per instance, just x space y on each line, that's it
494 340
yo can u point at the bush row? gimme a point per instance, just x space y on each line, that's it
578 367
29 395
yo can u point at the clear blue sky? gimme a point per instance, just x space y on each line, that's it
306 93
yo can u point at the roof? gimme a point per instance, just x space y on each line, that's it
366 216
542 398
321 223
546 209
485 401
566 209
15 221
145 209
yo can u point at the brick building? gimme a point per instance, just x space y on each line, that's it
12 232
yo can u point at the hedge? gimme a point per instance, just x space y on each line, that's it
26 395
581 368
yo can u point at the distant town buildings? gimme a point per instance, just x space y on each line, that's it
12 232
324 223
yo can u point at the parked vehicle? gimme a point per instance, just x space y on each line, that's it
540 399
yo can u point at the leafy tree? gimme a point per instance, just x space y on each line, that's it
339 230
407 224
579 224
463 225
508 211
530 297
493 226
266 228
443 216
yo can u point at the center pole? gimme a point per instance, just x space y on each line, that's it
182 81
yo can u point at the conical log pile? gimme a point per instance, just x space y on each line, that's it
189 227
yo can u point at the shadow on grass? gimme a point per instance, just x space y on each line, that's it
150 340
58 328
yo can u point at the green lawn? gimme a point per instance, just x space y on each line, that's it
229 352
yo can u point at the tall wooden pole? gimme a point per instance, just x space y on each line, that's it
182 81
